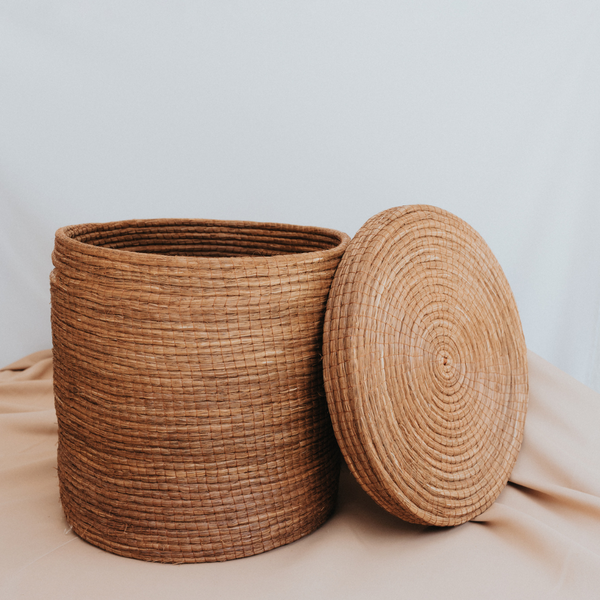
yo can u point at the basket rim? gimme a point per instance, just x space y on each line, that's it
65 235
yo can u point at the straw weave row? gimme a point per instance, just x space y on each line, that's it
188 385
425 366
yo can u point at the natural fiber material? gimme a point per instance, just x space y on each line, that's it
425 366
188 385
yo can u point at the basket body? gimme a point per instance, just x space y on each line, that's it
192 420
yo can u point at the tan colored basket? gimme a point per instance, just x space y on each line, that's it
188 385
425 366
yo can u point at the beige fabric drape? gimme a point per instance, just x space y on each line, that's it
541 539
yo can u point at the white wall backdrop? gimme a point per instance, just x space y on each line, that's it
313 112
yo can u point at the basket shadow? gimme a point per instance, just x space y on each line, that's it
355 506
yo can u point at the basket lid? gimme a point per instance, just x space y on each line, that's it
425 366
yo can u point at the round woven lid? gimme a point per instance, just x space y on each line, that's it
425 366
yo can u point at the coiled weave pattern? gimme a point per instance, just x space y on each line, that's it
425 366
188 385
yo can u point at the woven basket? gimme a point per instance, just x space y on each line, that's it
188 385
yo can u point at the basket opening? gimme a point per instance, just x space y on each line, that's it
206 239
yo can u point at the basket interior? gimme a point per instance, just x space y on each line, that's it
202 238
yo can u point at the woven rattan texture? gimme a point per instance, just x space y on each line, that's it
425 366
192 419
